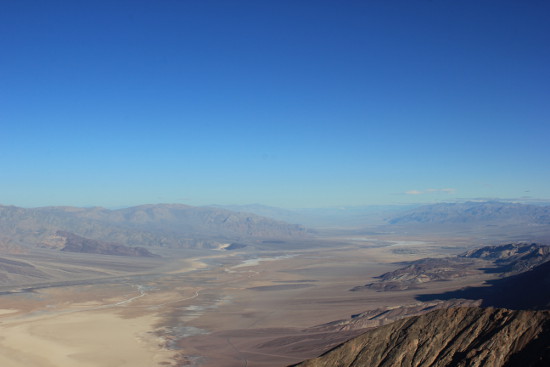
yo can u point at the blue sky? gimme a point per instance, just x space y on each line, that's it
285 103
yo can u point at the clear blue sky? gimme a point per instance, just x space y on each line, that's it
287 103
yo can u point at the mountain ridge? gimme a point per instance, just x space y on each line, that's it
165 225
475 212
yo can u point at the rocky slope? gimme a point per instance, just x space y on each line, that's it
526 290
423 271
386 315
504 260
512 258
459 332
449 337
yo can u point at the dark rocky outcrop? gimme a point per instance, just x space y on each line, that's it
422 271
513 257
449 337
527 290
504 260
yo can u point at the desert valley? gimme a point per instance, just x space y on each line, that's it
173 285
213 183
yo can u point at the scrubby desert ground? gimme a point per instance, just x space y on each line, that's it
216 308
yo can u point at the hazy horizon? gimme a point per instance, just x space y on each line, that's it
286 103
237 206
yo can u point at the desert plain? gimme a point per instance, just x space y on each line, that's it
210 308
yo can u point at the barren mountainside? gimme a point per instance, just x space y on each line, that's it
513 257
449 337
170 225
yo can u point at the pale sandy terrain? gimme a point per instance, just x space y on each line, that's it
93 338
88 326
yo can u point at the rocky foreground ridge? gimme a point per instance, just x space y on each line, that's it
511 328
464 336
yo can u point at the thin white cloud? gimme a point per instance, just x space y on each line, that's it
448 190
429 191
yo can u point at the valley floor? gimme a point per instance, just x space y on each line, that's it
221 309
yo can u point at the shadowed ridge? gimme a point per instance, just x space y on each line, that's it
74 243
509 259
528 290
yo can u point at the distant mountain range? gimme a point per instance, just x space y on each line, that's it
332 217
165 225
482 221
488 212
182 226
471 215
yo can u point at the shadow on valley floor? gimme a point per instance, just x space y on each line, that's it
528 290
